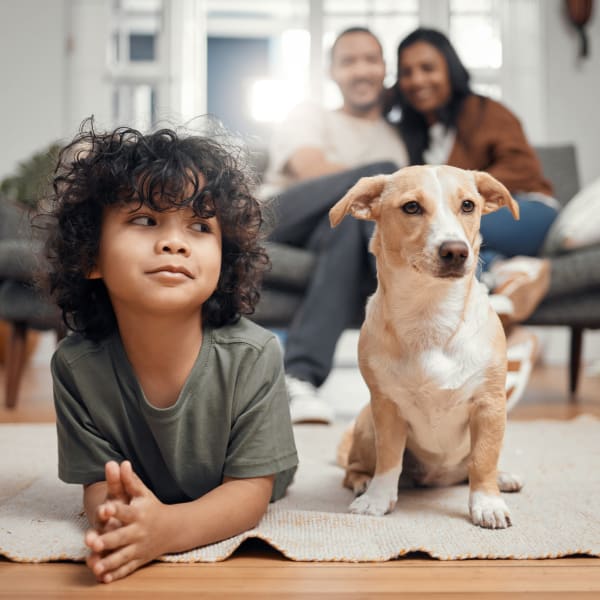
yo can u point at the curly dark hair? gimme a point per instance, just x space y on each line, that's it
158 170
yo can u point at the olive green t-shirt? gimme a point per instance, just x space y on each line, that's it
230 419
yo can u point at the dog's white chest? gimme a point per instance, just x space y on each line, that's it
452 371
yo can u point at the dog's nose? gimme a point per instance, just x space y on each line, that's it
454 253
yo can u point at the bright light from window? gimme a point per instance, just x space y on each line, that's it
272 99
477 42
295 52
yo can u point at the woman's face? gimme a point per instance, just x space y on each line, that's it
423 78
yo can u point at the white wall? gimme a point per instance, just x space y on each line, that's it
89 86
32 77
52 72
572 89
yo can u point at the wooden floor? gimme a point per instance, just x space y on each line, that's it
256 571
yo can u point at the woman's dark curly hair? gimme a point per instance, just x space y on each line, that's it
158 170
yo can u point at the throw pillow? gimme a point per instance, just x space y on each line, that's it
578 223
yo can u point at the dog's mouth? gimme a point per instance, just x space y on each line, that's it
450 274
433 268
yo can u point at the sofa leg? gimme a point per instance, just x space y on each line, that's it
15 362
575 361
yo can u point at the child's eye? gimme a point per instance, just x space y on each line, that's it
143 220
201 226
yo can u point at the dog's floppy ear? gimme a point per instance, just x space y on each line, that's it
360 200
495 194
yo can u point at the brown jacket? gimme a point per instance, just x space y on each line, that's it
490 138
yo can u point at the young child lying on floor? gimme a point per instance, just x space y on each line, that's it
171 407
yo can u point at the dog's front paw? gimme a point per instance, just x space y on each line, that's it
489 511
373 504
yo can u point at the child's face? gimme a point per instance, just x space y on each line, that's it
158 262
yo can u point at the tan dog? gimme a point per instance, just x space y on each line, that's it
431 349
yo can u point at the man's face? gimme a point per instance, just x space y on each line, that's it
358 69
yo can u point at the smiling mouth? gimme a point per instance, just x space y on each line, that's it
169 269
421 95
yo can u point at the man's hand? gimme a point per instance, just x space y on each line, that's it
142 531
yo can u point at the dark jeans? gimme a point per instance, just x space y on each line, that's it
344 274
504 237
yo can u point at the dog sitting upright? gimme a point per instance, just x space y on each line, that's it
431 350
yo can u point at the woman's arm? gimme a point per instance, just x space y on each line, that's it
491 138
150 528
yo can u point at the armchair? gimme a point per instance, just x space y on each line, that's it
22 306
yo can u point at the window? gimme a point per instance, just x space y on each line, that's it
299 34
136 63
474 28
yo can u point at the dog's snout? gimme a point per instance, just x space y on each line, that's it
454 253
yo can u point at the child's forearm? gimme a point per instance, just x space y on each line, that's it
93 495
234 507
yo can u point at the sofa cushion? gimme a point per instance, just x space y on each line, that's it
291 267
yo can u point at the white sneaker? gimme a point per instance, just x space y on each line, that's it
306 406
522 352
524 280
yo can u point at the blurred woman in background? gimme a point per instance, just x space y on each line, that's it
442 121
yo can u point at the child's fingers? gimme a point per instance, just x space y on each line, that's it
92 559
114 539
133 485
123 571
90 537
125 513
113 480
111 525
117 565
105 512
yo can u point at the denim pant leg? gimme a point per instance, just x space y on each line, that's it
334 300
335 294
504 237
300 209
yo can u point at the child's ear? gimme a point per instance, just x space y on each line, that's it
94 273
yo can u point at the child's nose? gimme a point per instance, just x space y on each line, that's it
173 246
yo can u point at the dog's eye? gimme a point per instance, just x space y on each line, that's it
468 206
412 208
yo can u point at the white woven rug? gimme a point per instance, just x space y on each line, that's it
556 514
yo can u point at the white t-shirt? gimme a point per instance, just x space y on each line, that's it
344 139
441 142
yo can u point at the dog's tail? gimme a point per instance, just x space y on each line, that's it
343 449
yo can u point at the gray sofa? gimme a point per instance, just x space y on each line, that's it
572 301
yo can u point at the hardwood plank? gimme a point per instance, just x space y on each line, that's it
251 576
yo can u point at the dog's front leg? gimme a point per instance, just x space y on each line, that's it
487 507
390 441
